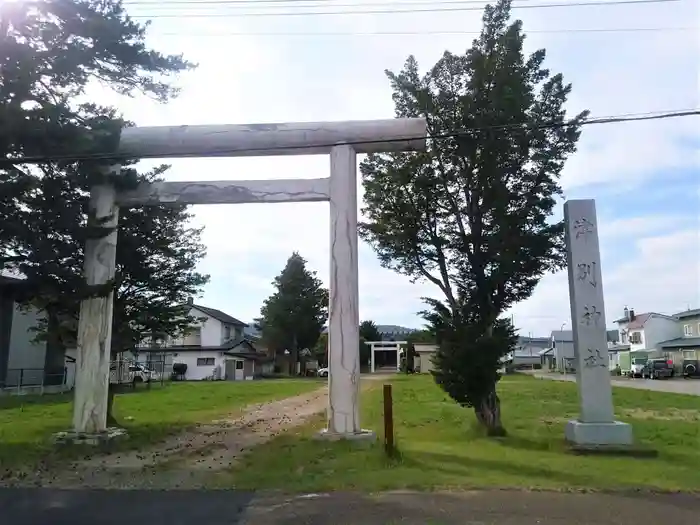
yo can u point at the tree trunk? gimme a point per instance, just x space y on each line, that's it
55 353
111 420
488 413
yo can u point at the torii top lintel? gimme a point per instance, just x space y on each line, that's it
249 140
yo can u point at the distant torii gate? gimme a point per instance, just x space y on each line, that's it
386 346
341 140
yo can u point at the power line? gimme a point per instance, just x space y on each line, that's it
630 117
418 33
390 11
280 4
323 3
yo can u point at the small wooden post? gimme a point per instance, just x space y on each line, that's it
388 421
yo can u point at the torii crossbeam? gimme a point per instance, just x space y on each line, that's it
341 140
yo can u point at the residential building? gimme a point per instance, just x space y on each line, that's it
423 362
687 345
644 332
215 348
562 345
560 355
529 351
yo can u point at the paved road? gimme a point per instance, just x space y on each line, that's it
675 386
88 507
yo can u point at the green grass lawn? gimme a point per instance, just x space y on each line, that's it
440 447
27 422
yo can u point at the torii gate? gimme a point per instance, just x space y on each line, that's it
386 346
341 140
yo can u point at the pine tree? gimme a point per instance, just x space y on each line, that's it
472 214
368 332
52 51
293 317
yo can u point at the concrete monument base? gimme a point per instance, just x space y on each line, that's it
582 434
72 437
363 435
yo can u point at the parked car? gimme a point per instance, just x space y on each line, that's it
322 372
691 368
657 369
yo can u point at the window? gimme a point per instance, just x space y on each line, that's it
636 338
194 336
227 333
687 330
623 338
205 361
239 365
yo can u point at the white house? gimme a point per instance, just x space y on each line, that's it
215 348
644 332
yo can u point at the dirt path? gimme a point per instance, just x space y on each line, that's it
189 459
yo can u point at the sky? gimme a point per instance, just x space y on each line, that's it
644 176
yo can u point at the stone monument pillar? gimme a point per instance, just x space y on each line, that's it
596 425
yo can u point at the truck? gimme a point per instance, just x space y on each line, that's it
631 363
130 372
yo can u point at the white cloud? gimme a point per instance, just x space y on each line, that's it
245 78
659 273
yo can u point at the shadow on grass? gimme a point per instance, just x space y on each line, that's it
523 443
457 465
14 401
18 401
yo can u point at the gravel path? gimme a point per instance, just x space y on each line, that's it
190 459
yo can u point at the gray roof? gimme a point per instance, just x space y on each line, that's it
238 345
539 342
219 315
566 336
681 342
688 313
618 348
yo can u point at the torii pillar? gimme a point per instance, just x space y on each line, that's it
342 141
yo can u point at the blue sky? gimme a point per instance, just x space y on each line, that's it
644 176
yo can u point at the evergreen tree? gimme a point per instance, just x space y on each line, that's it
293 317
52 50
472 214
368 332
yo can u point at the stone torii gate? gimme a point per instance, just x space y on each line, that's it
341 140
